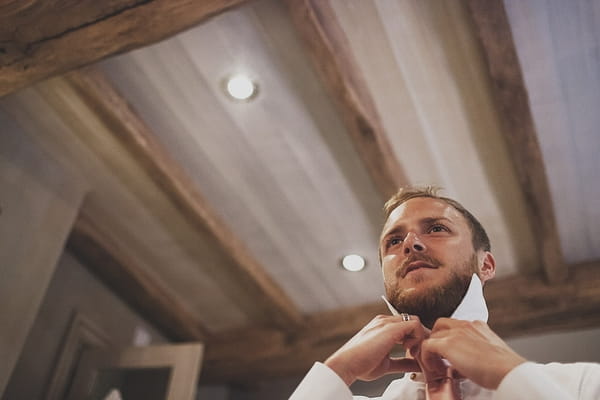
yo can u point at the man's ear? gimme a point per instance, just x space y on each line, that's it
487 266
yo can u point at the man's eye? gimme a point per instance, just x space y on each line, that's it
438 228
394 241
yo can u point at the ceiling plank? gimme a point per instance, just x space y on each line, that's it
533 307
494 33
38 42
136 137
330 51
142 291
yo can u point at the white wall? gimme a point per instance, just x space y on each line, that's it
575 346
39 202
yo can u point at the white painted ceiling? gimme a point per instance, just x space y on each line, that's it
282 172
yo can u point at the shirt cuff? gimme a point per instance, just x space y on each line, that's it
321 383
527 381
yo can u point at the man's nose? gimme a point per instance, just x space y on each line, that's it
412 243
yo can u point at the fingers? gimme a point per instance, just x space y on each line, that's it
407 333
443 324
366 355
399 318
472 349
413 330
450 337
431 354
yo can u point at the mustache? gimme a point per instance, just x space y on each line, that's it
403 270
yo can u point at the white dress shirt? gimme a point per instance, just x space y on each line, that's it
527 381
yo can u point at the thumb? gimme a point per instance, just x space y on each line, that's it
431 359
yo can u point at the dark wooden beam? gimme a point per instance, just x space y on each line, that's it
332 57
99 95
522 306
39 39
518 306
493 29
143 292
269 353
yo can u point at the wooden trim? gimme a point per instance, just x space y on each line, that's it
82 334
142 291
49 43
533 307
493 29
130 130
332 57
183 362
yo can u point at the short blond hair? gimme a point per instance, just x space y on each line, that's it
480 239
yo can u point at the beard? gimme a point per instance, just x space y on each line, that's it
436 302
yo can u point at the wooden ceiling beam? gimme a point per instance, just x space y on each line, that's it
99 95
533 307
327 45
39 39
523 306
512 100
142 291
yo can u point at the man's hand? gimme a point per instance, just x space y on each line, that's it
367 355
472 349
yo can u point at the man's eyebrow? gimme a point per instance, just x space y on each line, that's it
434 219
394 231
425 221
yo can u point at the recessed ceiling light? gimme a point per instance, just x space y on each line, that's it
353 263
240 87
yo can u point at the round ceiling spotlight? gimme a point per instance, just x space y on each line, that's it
240 87
353 263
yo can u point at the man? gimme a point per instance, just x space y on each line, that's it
435 258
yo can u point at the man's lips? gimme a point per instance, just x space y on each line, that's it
415 265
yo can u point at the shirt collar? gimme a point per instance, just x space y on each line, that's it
472 307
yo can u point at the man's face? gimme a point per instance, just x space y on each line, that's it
427 258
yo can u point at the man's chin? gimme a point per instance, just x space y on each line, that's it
417 292
428 299
415 301
413 285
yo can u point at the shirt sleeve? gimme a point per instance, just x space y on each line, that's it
531 381
321 383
